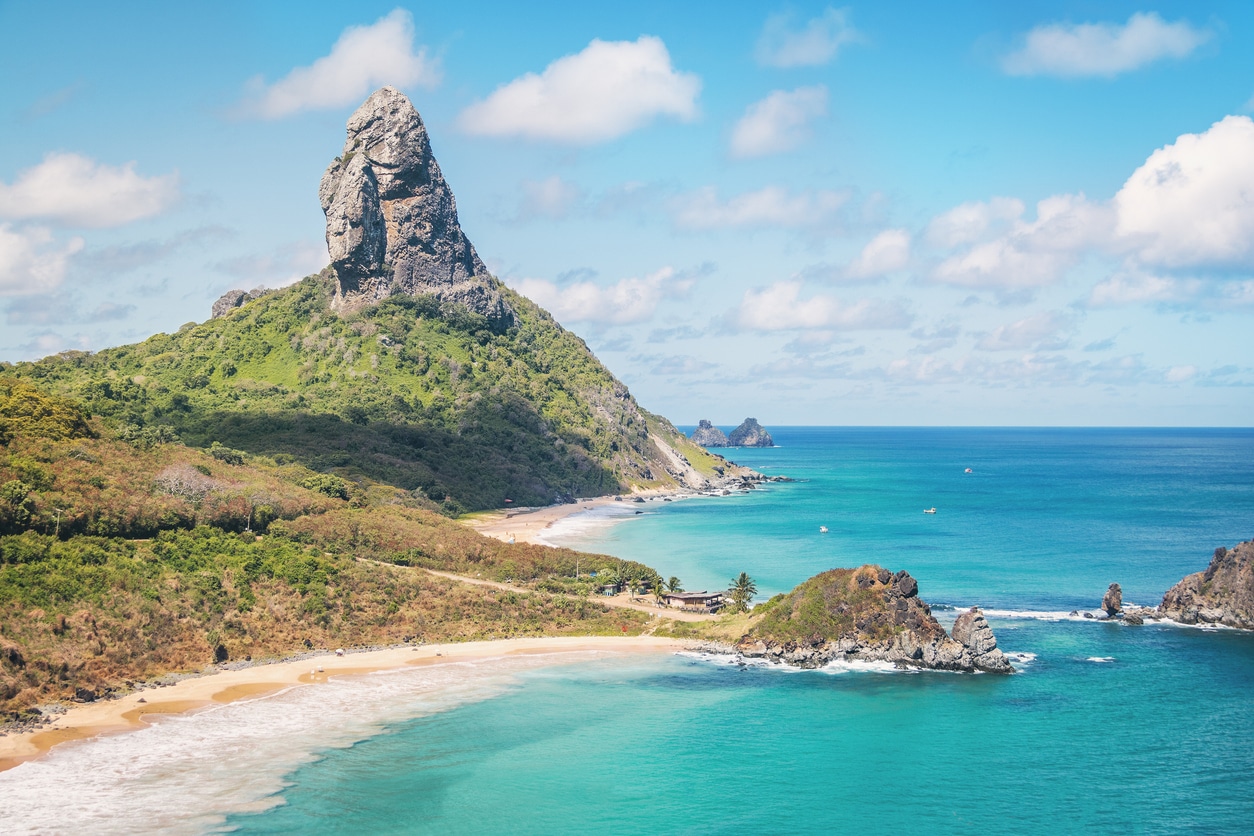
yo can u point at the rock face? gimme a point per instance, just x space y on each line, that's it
869 614
392 220
750 434
1112 601
1223 594
708 435
233 299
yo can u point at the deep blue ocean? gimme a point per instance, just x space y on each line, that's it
1106 728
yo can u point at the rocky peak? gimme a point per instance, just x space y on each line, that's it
233 299
750 434
1222 594
392 220
1112 601
708 435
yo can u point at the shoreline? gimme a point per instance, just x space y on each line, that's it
528 524
107 717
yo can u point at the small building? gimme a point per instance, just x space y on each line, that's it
705 602
610 589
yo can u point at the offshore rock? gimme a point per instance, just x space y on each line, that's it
1112 601
233 299
392 221
750 434
708 435
871 615
1222 594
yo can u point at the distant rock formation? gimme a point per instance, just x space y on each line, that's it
1112 601
708 435
392 220
1223 594
233 299
868 614
750 434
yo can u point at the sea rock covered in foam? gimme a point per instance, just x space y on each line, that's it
708 435
1222 594
750 434
392 221
868 614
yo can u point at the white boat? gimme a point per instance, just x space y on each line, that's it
822 529
968 470
931 510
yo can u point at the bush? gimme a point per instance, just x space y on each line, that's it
325 483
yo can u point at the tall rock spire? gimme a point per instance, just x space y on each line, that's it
392 220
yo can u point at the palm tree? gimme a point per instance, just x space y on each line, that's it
659 585
673 585
742 591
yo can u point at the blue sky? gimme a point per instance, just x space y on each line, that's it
968 213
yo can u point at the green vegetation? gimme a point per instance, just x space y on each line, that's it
407 393
741 591
834 603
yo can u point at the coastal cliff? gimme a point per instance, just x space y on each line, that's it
1221 594
750 434
708 435
868 614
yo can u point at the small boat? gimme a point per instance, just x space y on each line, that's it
931 510
822 529
968 470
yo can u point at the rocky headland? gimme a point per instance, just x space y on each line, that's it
750 434
708 435
1222 594
868 614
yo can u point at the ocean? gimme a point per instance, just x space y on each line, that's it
1106 727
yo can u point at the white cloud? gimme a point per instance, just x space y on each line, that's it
31 261
73 190
780 308
1040 331
771 206
780 122
1179 374
812 44
609 89
551 197
1102 49
1032 254
363 58
885 253
1128 288
969 222
1192 202
629 300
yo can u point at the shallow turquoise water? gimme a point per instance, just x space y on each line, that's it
1146 730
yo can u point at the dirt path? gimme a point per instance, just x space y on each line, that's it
622 600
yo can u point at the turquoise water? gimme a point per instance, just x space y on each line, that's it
1145 730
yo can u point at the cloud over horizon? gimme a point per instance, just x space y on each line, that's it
363 59
770 206
780 307
604 92
73 190
626 301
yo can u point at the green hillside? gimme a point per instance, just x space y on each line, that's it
425 397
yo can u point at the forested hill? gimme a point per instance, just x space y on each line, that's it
408 392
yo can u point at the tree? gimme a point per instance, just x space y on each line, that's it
658 585
673 585
742 591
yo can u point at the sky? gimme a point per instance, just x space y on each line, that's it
983 214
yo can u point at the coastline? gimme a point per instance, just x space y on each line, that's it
129 713
527 525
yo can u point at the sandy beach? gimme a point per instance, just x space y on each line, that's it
130 712
527 525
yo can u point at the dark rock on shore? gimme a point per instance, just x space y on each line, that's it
750 434
233 299
708 435
868 614
1222 594
1112 601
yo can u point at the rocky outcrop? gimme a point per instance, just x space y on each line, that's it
233 299
708 435
1222 594
750 434
392 221
868 614
1112 601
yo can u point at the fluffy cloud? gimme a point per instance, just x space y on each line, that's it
362 59
780 308
1041 332
551 198
1031 253
771 206
629 300
609 89
73 190
1102 49
969 222
780 122
1192 202
885 253
812 44
31 261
